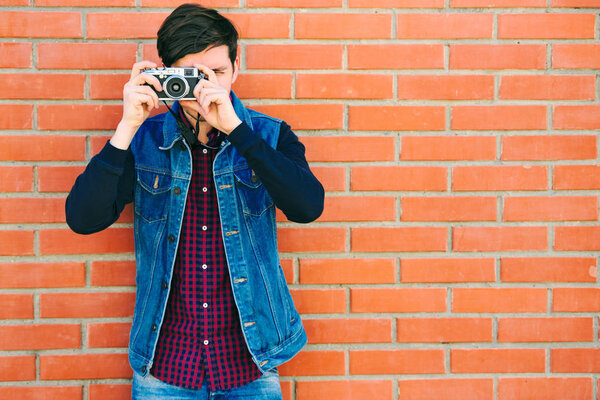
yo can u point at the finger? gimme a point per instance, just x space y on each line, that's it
148 92
138 67
209 73
147 78
207 91
144 99
209 99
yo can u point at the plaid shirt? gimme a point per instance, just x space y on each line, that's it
201 336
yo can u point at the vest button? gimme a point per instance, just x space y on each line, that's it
154 327
164 285
177 191
171 238
254 178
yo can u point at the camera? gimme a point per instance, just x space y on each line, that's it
177 83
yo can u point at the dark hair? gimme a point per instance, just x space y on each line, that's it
191 29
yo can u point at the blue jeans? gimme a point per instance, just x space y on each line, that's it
149 388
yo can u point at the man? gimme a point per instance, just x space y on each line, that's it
213 315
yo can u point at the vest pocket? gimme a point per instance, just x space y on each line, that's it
152 195
252 194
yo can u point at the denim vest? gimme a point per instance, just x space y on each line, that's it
270 324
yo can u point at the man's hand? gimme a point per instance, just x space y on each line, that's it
138 101
215 104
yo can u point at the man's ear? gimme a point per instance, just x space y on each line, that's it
236 69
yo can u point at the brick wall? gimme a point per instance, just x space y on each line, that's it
458 144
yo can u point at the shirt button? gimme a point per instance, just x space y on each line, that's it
171 238
164 285
204 151
204 227
153 327
177 191
205 305
205 342
204 266
205 189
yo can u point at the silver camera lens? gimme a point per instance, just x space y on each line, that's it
176 87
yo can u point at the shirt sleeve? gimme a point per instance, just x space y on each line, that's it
101 192
283 171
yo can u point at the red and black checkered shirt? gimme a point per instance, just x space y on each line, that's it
200 336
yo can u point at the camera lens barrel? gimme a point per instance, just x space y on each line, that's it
176 87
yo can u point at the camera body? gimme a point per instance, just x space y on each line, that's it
177 83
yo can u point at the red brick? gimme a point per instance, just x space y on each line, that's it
497 3
445 26
579 299
175 3
497 360
57 178
17 368
294 3
548 87
395 56
79 116
86 55
348 330
444 330
576 177
357 389
344 86
349 148
14 2
319 301
347 271
504 238
396 3
575 3
131 25
580 360
549 147
393 300
497 56
15 210
42 86
117 391
255 26
548 269
294 56
288 270
40 24
16 179
107 86
445 208
387 362
545 330
448 148
501 177
445 270
356 208
16 55
343 26
554 208
499 300
311 239
398 239
306 116
42 148
86 305
16 243
464 389
98 142
332 178
41 392
572 238
576 117
85 3
16 116
16 306
108 334
40 337
396 118
398 178
546 26
42 275
113 273
521 117
315 363
445 87
84 366
576 55
62 241
547 388
263 86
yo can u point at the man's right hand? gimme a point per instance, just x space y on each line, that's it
138 101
